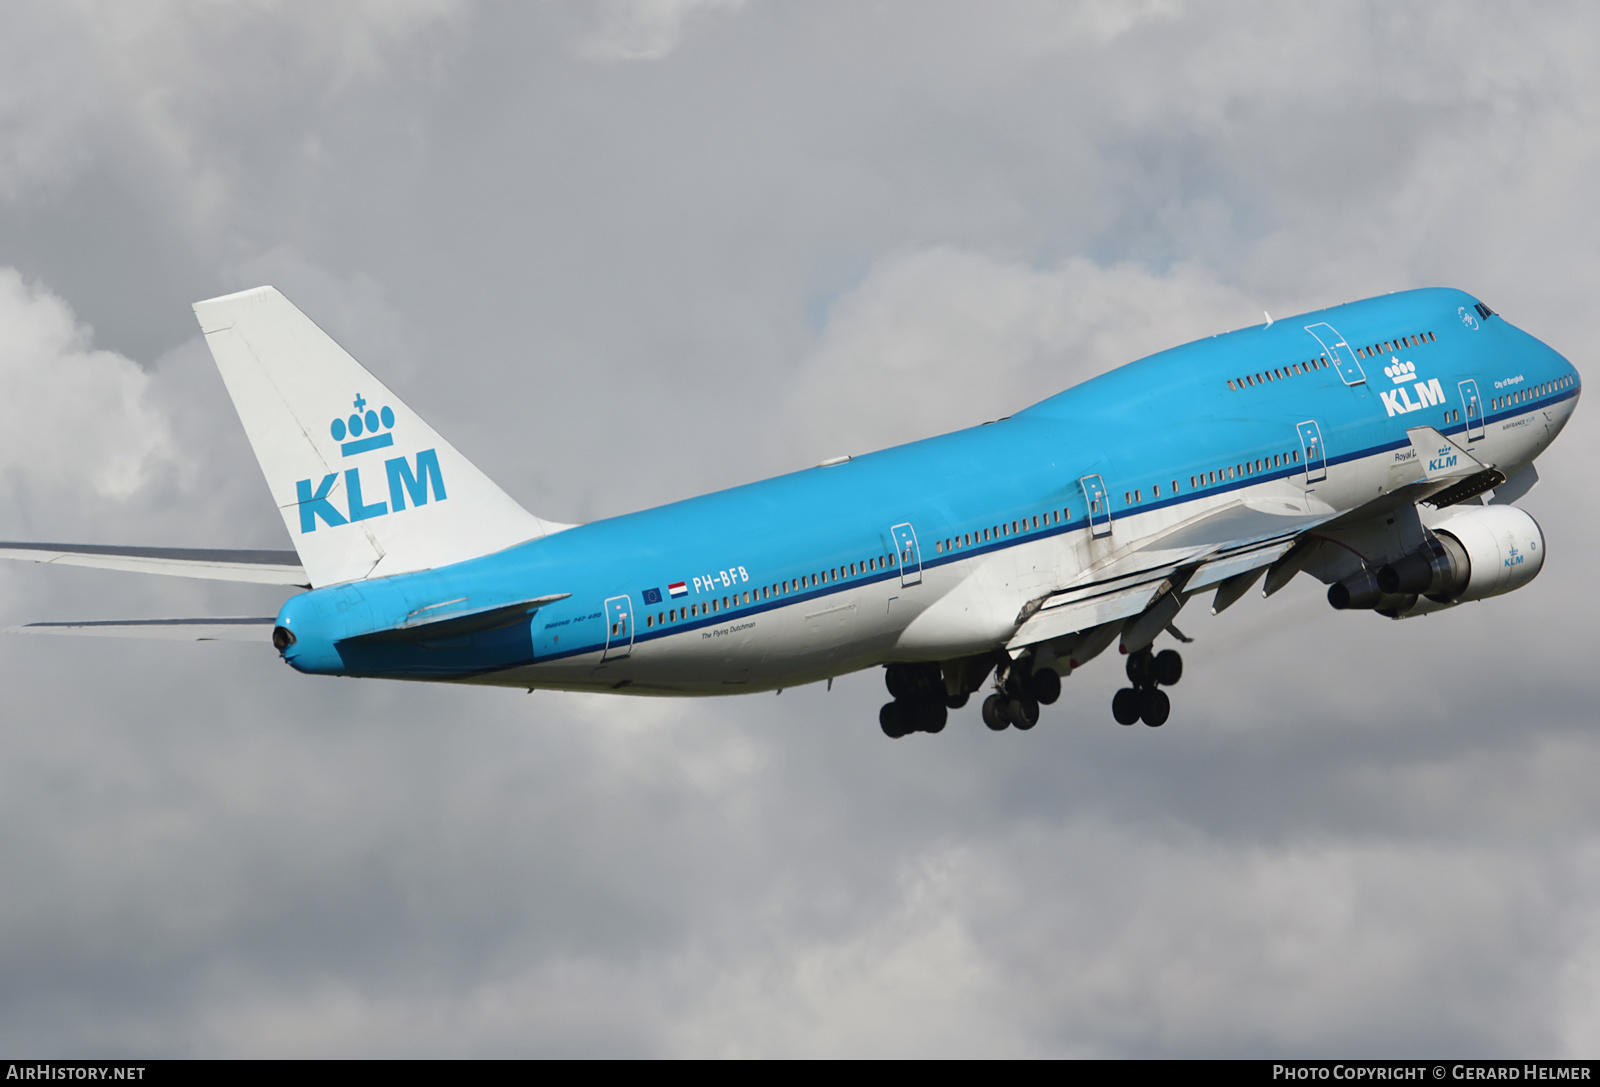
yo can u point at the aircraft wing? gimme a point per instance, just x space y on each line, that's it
1189 556
251 629
260 567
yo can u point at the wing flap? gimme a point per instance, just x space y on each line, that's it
1081 613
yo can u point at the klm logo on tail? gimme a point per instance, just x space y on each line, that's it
367 430
1398 401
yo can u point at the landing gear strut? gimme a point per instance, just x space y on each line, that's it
1016 704
1148 672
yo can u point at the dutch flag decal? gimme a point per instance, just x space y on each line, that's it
678 588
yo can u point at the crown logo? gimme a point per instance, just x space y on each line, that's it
363 421
1401 372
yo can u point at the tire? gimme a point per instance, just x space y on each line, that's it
994 713
1045 686
1023 711
1125 706
1167 667
955 701
931 716
898 680
1154 706
892 719
1139 668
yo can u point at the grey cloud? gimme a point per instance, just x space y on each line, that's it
613 284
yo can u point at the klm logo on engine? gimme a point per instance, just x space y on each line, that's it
1430 394
363 431
1514 557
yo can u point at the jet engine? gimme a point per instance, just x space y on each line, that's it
1480 552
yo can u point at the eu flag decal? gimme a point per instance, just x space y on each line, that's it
652 596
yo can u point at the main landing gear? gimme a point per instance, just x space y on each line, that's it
920 704
922 699
1145 700
1016 704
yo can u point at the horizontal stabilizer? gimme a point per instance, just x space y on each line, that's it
254 629
425 628
258 567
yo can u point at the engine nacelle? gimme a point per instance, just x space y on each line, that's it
1480 552
1502 548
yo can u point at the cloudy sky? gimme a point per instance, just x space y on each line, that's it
621 253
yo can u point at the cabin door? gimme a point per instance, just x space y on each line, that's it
1099 505
1472 409
1311 449
905 545
619 628
1338 352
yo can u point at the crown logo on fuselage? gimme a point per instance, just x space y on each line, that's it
1397 401
363 420
1401 372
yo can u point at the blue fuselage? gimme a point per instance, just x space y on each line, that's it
829 569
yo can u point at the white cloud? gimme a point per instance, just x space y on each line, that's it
938 339
77 425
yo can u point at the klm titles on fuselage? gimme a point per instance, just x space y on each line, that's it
1398 401
404 480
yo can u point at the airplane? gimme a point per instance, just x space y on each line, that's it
1377 446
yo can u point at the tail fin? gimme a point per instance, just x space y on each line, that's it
366 488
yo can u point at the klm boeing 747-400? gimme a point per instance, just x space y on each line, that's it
1375 446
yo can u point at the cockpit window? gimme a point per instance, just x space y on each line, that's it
1483 311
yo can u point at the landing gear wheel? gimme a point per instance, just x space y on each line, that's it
931 716
955 701
1167 668
1023 711
994 713
1125 706
1045 685
892 719
1139 668
1154 706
